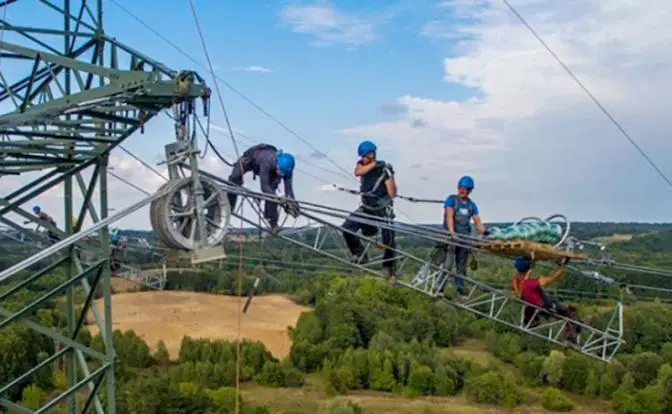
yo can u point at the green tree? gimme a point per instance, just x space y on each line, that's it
494 388
664 384
644 368
554 400
552 368
33 397
575 373
421 381
592 384
443 383
161 355
625 397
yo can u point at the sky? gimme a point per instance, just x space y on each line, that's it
444 88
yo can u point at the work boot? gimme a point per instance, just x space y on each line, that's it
361 260
389 271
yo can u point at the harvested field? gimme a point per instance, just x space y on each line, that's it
170 315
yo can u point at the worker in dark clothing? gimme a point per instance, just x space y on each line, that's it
47 219
378 189
117 250
531 290
271 166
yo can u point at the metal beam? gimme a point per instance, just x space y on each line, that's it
65 108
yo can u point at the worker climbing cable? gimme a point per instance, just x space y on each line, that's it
459 212
271 166
531 290
378 189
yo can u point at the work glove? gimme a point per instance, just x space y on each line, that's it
291 207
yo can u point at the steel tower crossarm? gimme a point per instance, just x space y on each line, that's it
69 94
46 130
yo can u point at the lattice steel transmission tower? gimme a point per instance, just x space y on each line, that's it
69 94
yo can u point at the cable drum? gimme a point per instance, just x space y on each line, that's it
174 219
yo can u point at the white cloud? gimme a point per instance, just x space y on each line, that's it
328 25
254 68
530 136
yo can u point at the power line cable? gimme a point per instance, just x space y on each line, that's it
590 95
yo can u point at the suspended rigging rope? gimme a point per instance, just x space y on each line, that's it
590 95
402 197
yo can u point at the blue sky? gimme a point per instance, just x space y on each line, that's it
316 90
445 88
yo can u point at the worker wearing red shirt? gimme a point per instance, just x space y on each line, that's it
532 291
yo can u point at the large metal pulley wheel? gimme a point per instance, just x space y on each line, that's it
174 216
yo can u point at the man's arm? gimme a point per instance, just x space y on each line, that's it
391 186
479 224
362 169
547 281
476 216
289 188
449 213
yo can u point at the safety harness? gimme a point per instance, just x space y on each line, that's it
470 212
387 204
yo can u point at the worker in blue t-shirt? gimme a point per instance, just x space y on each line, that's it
459 212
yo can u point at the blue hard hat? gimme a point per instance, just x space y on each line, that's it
366 147
36 209
466 182
285 163
522 264
116 239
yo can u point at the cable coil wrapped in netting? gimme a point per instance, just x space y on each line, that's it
541 232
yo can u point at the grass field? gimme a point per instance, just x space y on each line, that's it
312 399
170 315
614 238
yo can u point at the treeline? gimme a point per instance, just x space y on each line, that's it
201 380
369 336
364 334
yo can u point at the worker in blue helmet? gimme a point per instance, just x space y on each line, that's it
531 290
45 219
117 250
271 166
115 239
459 210
378 189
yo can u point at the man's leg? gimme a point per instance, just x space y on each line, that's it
53 237
352 241
389 256
572 330
271 213
236 178
461 260
438 257
529 313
